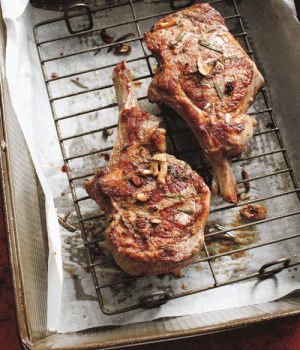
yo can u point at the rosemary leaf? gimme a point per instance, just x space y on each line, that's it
123 148
178 38
209 46
218 89
174 195
168 248
79 84
187 211
211 29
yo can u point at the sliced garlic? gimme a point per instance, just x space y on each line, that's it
154 168
159 167
143 197
160 157
145 172
228 118
170 23
203 68
161 178
155 221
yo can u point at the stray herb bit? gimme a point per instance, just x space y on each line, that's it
209 46
187 211
79 84
66 225
218 89
227 234
178 38
66 216
105 37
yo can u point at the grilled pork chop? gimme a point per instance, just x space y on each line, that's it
156 205
210 81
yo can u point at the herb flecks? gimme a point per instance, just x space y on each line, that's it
209 46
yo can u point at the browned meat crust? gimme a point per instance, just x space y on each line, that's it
156 205
210 81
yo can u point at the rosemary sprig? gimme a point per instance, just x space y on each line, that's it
209 46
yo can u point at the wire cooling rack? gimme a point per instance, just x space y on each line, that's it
77 66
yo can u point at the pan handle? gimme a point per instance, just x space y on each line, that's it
154 299
175 7
83 9
265 272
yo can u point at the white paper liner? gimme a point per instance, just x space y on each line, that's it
66 311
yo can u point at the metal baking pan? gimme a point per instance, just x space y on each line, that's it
274 38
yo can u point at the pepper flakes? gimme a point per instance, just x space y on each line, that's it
105 37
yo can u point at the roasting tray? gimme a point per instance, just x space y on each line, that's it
274 37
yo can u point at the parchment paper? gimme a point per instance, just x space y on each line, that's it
72 302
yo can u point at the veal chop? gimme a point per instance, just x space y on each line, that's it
207 78
155 204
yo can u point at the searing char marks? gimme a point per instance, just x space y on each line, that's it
210 81
156 205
